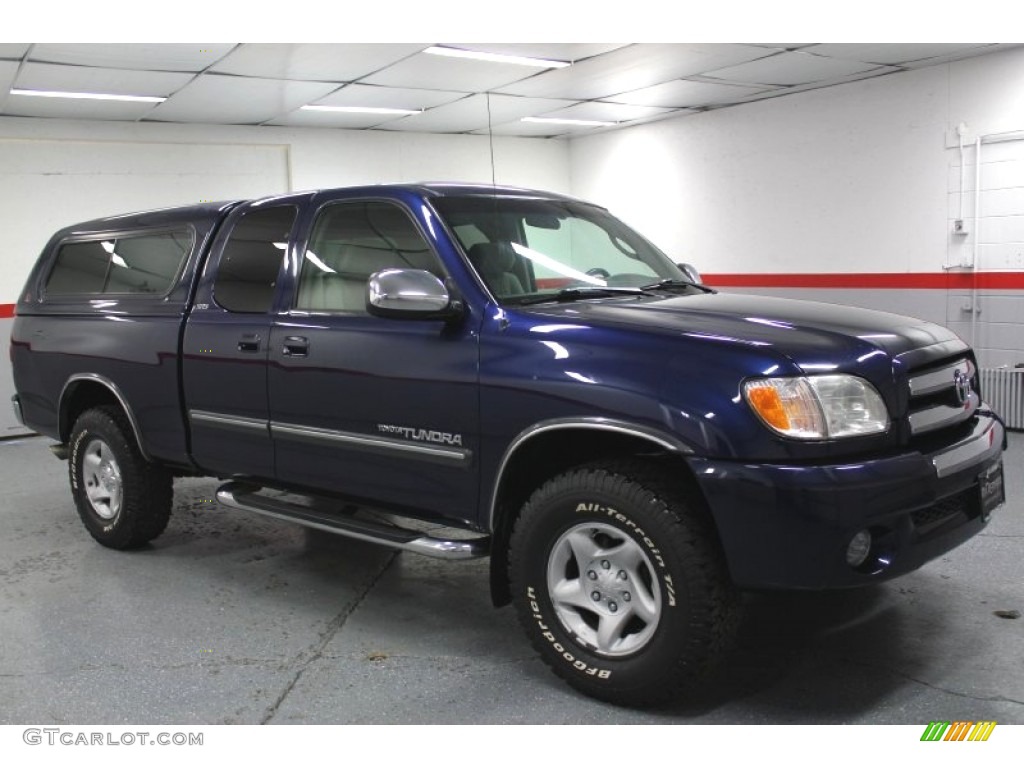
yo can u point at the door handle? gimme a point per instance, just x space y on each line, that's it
250 342
296 346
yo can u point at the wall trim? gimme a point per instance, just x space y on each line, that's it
894 280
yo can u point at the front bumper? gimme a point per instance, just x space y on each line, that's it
788 527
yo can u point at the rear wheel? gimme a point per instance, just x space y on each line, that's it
620 585
123 500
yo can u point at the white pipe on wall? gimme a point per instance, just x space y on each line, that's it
974 246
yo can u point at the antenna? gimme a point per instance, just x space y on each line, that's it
490 139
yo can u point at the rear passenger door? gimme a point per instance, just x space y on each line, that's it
224 359
374 408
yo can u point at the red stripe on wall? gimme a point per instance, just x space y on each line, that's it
946 281
1008 281
6 310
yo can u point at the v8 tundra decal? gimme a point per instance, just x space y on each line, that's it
421 435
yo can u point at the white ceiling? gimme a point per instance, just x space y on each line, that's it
267 83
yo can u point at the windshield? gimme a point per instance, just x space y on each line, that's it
528 249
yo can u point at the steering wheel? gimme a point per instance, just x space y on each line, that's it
604 274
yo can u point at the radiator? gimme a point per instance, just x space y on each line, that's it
1003 389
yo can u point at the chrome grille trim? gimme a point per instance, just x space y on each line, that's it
940 416
934 395
936 381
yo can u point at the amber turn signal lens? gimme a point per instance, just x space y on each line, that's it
768 404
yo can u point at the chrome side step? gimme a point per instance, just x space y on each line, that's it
240 495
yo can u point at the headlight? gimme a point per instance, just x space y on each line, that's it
818 407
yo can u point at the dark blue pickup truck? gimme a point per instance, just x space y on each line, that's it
629 447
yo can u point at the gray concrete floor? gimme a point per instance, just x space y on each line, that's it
230 618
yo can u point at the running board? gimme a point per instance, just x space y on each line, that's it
244 496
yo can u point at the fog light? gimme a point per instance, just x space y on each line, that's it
860 547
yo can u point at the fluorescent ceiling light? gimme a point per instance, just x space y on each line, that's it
497 58
567 121
95 96
362 110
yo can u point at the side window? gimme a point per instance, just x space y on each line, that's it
351 241
252 258
133 264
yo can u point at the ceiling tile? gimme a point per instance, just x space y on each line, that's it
959 55
176 57
631 68
8 69
13 50
335 62
782 46
555 51
687 93
471 114
538 130
612 113
230 83
226 99
889 53
313 119
75 109
672 113
875 72
61 77
392 98
425 70
791 68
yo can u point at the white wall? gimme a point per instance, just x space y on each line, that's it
46 184
851 179
58 172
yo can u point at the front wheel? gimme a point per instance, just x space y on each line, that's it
620 586
123 500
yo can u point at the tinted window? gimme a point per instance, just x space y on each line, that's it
252 259
350 242
130 264
528 249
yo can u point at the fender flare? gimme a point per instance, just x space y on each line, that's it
64 428
663 440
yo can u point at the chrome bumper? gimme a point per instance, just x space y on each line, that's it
984 443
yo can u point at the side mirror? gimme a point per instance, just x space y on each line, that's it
691 273
412 294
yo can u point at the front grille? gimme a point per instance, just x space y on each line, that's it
942 396
928 519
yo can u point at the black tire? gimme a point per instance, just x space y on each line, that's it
123 500
620 586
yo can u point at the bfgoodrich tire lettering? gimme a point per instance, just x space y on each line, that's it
123 500
620 585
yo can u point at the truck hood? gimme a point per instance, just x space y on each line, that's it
813 335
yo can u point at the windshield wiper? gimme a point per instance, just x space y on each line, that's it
583 292
674 283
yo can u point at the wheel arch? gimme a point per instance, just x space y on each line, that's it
549 448
83 391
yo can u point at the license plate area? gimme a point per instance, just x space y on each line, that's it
991 490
